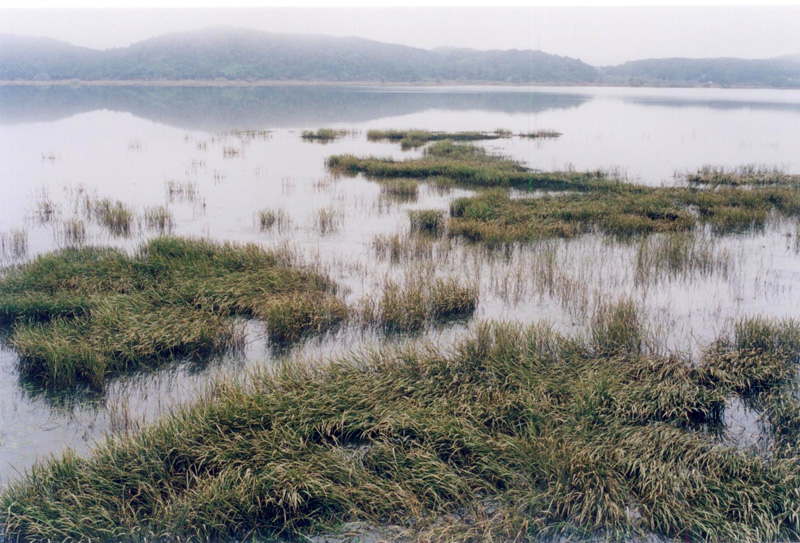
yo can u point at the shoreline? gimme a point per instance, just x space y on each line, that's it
322 83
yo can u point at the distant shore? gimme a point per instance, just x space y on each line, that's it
323 83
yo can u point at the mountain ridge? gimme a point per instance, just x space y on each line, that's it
225 53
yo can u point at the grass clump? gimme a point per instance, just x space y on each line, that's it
72 232
400 248
753 175
78 315
14 243
186 191
269 219
323 135
327 220
512 434
116 217
159 218
429 221
470 166
407 306
400 190
413 139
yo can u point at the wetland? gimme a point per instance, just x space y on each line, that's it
455 313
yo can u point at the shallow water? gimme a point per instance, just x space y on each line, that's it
60 144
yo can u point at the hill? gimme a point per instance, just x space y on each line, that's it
238 54
725 72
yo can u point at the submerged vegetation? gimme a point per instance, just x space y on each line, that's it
77 315
513 433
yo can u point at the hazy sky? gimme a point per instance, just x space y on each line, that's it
597 35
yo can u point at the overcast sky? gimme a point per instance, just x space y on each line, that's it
597 35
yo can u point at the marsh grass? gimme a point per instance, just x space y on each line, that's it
324 135
159 219
413 139
428 221
514 433
625 211
45 210
14 243
406 306
400 190
278 219
327 220
589 201
79 315
541 134
116 217
754 175
72 232
402 248
182 191
470 166
681 254
231 152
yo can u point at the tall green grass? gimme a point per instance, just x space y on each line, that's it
512 434
78 315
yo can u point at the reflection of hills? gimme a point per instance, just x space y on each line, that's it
223 108
787 106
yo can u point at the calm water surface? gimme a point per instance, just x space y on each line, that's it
61 144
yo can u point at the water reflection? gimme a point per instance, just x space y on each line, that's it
225 108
